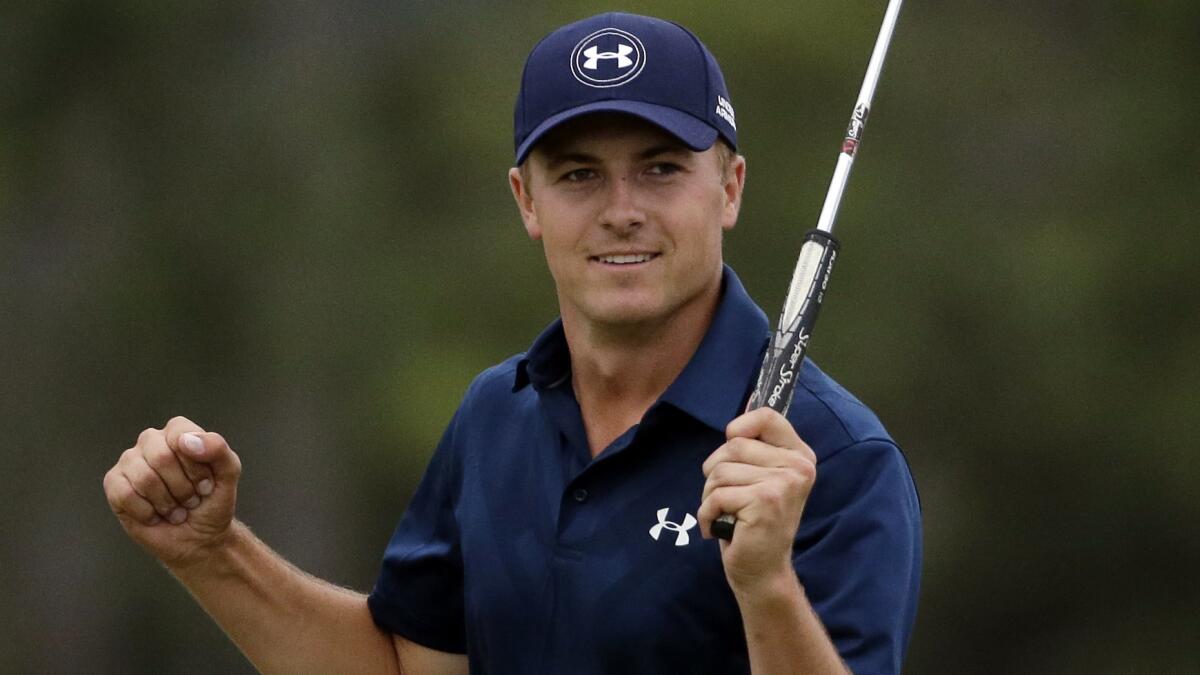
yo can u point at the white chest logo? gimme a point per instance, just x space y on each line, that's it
609 57
680 530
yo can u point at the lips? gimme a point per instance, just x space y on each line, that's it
624 258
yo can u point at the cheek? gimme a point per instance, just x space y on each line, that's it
559 250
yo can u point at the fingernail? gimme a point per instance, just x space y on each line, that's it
177 516
193 502
204 487
193 443
154 521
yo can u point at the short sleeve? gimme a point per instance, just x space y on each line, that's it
858 554
419 592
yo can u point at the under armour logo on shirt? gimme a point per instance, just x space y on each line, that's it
594 55
680 530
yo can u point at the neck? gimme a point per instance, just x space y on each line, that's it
619 371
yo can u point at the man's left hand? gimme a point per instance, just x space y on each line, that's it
763 475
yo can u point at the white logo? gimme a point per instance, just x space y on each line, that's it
725 110
681 531
609 57
594 55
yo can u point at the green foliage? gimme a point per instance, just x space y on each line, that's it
292 225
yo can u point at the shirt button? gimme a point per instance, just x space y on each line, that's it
580 495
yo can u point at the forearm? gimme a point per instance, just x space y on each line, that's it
284 620
783 633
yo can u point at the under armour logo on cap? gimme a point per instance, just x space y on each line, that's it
594 55
680 530
609 57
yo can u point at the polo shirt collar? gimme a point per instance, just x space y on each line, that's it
547 364
713 385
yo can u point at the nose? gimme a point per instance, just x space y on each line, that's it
622 212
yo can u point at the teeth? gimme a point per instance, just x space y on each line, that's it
626 259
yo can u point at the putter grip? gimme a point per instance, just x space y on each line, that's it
785 353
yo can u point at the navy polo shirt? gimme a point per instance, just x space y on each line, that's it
522 551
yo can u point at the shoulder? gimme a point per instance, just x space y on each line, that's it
829 418
495 393
495 382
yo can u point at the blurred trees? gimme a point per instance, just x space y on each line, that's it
290 223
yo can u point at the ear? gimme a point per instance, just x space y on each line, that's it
735 182
524 199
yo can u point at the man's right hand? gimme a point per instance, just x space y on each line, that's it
174 491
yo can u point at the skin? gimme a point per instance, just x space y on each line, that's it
283 620
600 186
611 184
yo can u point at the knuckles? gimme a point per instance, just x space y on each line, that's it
129 456
158 456
143 481
114 488
801 466
718 473
774 495
118 490
179 420
738 447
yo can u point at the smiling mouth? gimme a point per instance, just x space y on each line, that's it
625 258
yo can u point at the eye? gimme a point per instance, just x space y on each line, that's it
578 175
665 169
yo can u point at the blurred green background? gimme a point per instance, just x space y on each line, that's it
289 222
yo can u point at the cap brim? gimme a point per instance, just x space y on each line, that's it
695 133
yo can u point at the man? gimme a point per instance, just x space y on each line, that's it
555 530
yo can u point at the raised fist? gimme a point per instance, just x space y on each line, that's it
174 491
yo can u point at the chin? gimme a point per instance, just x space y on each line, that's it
627 317
627 312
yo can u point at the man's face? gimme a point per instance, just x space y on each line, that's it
630 218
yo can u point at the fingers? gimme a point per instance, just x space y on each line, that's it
735 473
208 449
125 502
148 484
758 453
762 474
774 497
170 470
732 500
770 427
198 472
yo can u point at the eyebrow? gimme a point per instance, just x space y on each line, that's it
557 159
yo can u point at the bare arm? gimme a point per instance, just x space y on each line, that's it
763 475
783 633
287 621
178 504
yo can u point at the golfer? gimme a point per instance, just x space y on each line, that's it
562 525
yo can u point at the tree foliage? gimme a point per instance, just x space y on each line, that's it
290 223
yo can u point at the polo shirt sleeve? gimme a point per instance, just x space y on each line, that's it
858 554
419 592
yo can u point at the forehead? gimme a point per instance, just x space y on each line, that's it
605 130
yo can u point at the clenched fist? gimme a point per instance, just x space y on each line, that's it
174 491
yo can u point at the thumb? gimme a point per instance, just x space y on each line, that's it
210 448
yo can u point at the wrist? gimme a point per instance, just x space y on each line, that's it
216 557
779 587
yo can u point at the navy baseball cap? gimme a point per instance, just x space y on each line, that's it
653 69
